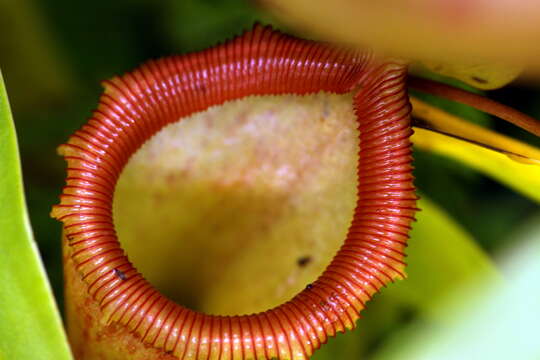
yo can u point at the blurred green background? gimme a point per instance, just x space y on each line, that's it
55 53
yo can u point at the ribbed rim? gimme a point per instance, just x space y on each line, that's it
137 105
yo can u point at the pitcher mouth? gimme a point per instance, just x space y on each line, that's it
261 62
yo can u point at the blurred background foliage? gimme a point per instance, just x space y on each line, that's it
55 53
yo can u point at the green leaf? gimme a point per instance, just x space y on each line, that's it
30 326
488 320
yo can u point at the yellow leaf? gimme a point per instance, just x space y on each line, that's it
509 161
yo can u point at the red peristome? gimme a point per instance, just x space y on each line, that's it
260 62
